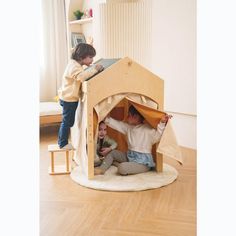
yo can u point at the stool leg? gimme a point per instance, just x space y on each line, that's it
67 161
73 155
52 162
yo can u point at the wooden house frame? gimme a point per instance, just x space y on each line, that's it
123 77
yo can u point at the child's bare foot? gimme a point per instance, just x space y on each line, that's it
99 171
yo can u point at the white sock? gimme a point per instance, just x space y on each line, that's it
68 147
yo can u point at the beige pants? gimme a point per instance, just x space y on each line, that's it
125 167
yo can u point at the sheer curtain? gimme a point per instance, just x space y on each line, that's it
53 47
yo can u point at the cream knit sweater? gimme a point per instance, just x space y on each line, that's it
140 138
73 76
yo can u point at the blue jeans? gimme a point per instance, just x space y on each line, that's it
68 119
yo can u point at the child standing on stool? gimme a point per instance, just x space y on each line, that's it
105 144
140 138
70 91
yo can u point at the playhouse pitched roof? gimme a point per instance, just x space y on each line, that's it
125 76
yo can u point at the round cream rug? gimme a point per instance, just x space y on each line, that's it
111 181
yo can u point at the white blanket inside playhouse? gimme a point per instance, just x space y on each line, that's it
167 146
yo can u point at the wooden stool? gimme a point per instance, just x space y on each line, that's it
58 169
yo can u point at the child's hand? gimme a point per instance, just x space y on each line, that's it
165 118
105 151
99 67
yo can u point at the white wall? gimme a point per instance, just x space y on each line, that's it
174 60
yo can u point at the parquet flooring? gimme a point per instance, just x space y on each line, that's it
67 208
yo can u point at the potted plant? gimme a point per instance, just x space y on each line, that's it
78 14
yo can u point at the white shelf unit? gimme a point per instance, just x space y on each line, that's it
84 26
82 21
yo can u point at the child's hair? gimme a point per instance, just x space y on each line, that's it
133 111
82 50
101 122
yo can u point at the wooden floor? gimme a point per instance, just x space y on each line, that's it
67 208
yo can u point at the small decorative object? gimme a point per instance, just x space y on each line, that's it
78 14
86 14
90 12
56 98
77 38
89 40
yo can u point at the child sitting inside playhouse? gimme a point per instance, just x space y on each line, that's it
140 138
105 144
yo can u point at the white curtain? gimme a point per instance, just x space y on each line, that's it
54 55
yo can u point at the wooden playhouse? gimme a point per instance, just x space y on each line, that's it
122 83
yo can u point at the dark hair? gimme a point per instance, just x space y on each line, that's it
133 111
82 50
101 122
